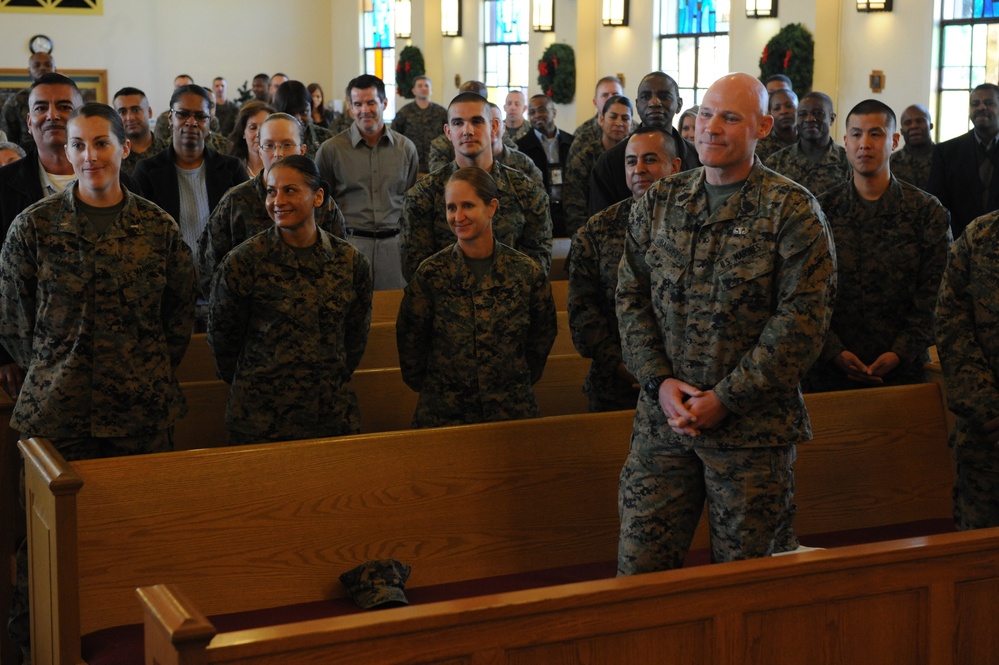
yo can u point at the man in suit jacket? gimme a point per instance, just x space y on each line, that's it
963 173
549 149
188 179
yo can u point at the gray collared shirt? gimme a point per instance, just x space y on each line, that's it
369 183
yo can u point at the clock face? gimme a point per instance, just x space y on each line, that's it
40 44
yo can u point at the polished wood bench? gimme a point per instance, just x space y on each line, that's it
921 600
386 403
262 526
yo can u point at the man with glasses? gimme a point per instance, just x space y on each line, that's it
188 179
815 161
242 214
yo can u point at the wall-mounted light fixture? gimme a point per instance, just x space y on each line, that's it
874 5
451 18
615 12
403 19
544 16
761 8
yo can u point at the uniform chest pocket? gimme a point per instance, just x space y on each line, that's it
146 281
667 262
55 281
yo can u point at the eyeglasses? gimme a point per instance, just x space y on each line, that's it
285 147
184 115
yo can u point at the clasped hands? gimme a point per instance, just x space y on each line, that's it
690 410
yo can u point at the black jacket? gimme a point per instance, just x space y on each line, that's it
157 178
955 181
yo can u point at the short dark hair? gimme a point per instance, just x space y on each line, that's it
543 96
365 81
991 87
616 99
99 110
466 97
191 89
292 97
821 96
779 77
782 91
472 85
262 77
52 78
184 76
608 79
875 107
127 91
669 143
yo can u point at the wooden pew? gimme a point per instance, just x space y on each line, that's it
386 403
263 526
921 600
560 250
11 521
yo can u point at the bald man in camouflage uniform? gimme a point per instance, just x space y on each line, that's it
723 301
967 336
523 220
496 336
242 213
421 120
815 161
285 344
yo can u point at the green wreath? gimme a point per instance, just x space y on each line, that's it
408 69
557 73
791 52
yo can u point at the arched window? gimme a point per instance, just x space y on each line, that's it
506 27
379 47
693 44
969 56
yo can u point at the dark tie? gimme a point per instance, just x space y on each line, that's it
985 174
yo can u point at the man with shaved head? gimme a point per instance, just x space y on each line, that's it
911 164
723 300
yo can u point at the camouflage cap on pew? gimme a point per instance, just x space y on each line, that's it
377 583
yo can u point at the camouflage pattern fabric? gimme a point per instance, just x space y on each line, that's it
473 350
662 490
522 221
313 137
515 135
99 322
594 257
442 151
911 168
134 157
421 126
736 301
828 171
14 119
515 159
242 214
583 156
287 333
890 257
217 142
967 336
769 145
588 131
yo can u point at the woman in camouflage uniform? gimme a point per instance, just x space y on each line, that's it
289 318
477 320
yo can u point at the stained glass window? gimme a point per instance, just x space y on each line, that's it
506 28
969 56
379 47
693 44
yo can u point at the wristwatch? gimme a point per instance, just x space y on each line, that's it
652 386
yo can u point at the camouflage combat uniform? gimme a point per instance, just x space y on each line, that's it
287 333
967 336
442 151
890 256
421 126
583 156
134 157
313 137
769 145
594 257
99 323
515 135
242 214
912 168
14 119
736 301
588 131
522 220
515 159
831 169
473 350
